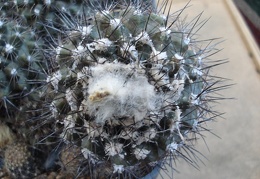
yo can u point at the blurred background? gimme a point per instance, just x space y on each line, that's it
236 153
250 11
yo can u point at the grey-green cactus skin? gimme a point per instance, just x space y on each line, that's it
104 89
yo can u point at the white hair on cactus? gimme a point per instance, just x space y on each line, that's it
14 72
118 168
71 99
197 71
86 30
90 156
9 48
178 86
100 45
1 23
115 23
55 79
160 78
79 51
187 40
178 56
69 125
177 122
47 2
194 99
144 38
141 153
93 130
160 55
165 30
53 109
130 49
115 91
150 134
172 148
113 148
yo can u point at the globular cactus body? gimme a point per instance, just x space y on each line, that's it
123 87
129 89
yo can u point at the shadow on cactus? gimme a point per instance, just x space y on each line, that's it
128 90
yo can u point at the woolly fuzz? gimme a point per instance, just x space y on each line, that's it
117 91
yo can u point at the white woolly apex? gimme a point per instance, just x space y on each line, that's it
115 91
14 72
1 23
178 56
113 149
144 38
55 79
141 154
9 48
118 168
115 23
173 147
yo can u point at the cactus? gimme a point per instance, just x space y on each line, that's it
121 88
20 65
